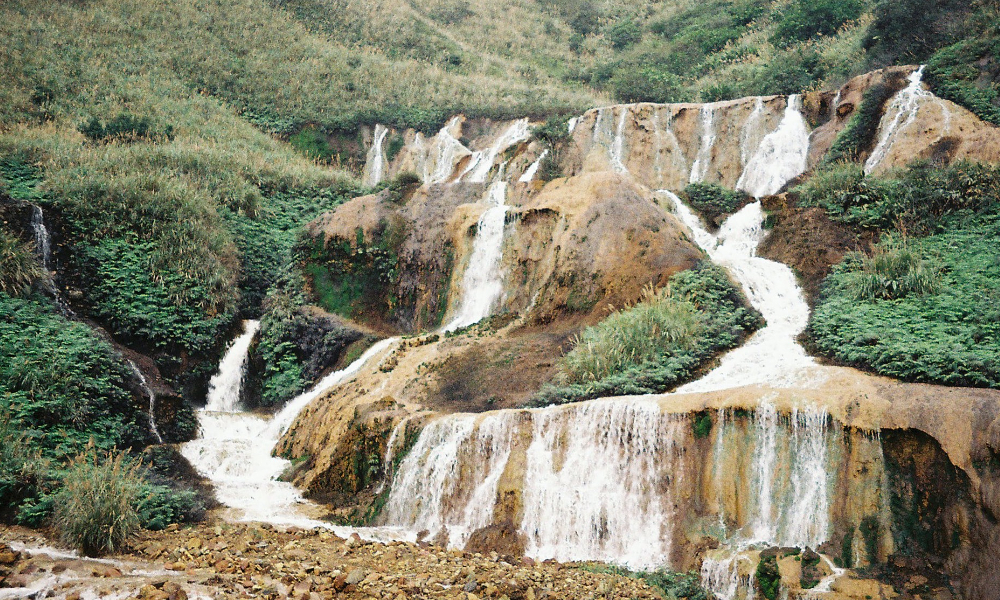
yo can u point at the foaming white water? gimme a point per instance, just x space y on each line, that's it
571 124
771 356
529 173
375 161
483 161
43 245
729 574
704 158
224 387
901 112
482 282
436 158
431 491
590 486
765 460
781 155
234 451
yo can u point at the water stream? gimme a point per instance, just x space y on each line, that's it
376 157
902 111
482 162
151 395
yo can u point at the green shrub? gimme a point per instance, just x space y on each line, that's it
646 84
623 34
805 19
553 131
891 271
401 185
23 470
908 31
95 511
125 128
159 506
19 266
658 343
714 202
767 578
311 142
858 136
959 72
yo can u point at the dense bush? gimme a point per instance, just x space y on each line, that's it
805 19
920 199
95 511
948 334
714 202
125 127
910 30
892 270
966 72
658 343
623 34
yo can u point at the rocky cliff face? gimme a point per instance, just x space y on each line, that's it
867 471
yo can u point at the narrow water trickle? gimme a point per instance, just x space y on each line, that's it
617 150
376 157
151 395
897 117
699 170
224 387
483 161
529 173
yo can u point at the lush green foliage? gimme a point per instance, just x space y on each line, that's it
158 506
948 334
672 585
125 127
908 31
892 270
804 19
767 579
63 385
95 510
281 376
19 266
919 200
965 72
859 134
658 343
714 202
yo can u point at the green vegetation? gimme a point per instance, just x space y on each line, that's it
802 20
767 578
966 71
859 134
671 585
714 202
19 267
658 343
892 270
95 510
124 128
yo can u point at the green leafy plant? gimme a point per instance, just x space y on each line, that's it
714 202
890 271
125 127
19 266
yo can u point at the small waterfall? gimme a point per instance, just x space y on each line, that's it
529 173
390 451
728 574
751 130
224 387
376 157
771 356
440 155
447 484
571 125
901 112
43 244
483 161
704 158
482 282
152 399
234 451
781 155
617 150
593 483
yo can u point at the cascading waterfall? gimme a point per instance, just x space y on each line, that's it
571 125
482 282
439 155
483 161
901 112
704 158
151 395
43 244
781 155
224 387
376 157
617 150
751 129
234 448
529 173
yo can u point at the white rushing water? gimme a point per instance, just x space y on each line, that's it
43 245
699 169
482 162
617 150
482 282
224 387
529 173
234 451
437 157
376 157
771 356
780 156
902 111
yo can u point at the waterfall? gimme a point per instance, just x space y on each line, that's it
447 483
376 157
234 450
151 411
446 148
571 125
617 150
704 158
751 129
390 450
529 173
781 155
482 282
771 356
483 161
224 387
43 245
901 112
592 483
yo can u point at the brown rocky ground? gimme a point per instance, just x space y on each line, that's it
251 560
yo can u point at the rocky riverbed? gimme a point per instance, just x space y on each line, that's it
252 560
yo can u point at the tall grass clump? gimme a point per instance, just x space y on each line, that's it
95 510
18 265
659 323
891 270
